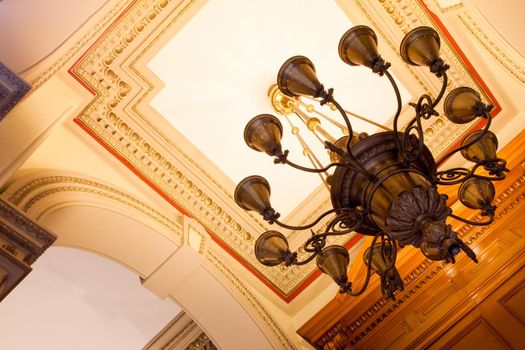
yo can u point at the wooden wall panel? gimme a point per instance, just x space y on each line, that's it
445 306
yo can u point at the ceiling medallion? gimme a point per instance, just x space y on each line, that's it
384 185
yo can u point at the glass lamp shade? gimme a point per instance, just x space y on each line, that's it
460 105
420 47
297 78
358 46
334 262
484 149
253 193
476 193
263 133
271 248
379 265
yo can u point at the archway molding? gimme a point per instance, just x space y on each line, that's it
91 215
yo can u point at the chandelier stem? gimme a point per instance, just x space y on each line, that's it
324 116
468 144
357 116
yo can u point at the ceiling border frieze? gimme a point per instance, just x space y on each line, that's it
114 119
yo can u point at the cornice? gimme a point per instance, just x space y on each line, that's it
12 89
22 242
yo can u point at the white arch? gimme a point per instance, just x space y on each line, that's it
87 214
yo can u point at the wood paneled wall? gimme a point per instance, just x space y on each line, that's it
444 306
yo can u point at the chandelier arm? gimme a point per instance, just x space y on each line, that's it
368 271
348 125
456 176
442 91
419 129
311 170
307 260
476 139
350 163
475 223
310 225
399 106
349 156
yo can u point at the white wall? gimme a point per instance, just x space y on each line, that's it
78 300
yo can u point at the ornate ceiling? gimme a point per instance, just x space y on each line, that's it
114 65
121 118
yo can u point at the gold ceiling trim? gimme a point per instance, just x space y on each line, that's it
113 117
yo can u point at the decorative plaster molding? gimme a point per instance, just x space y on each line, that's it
12 89
37 189
202 343
36 232
493 49
22 241
181 333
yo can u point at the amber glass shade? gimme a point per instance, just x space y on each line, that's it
379 264
271 248
253 193
334 262
460 105
484 149
297 78
476 193
358 46
420 47
263 133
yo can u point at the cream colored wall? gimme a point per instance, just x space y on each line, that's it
31 30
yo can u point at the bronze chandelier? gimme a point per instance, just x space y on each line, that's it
384 185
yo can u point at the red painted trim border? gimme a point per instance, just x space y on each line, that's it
313 276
